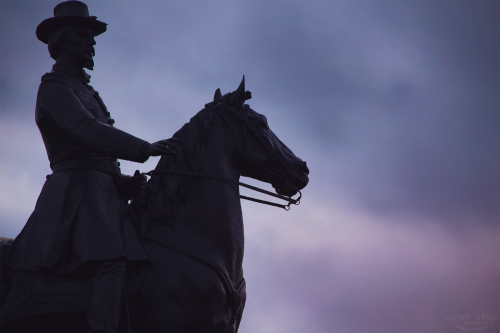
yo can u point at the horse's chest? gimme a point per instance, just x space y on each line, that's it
216 241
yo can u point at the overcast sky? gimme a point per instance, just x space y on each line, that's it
393 104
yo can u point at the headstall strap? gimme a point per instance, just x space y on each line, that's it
227 180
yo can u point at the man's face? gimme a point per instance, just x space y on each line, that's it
79 44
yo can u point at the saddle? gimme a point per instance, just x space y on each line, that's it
26 293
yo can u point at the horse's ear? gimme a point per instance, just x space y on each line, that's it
217 95
239 94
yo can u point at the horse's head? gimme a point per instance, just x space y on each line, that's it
266 158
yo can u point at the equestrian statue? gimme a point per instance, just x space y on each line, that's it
106 252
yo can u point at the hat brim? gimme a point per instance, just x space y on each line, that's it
47 27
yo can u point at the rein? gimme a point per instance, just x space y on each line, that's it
227 180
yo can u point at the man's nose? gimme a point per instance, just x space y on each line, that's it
92 41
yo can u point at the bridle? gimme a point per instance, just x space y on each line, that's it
227 180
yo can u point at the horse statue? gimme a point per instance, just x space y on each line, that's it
190 221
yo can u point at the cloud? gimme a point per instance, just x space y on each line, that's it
339 270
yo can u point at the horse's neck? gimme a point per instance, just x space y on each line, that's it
217 152
219 156
209 223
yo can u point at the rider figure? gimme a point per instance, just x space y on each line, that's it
79 221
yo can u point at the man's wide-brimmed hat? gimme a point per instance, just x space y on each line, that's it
69 12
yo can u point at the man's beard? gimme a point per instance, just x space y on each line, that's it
84 58
89 64
88 57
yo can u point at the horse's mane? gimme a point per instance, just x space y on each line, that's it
163 193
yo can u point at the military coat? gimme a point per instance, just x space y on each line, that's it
80 213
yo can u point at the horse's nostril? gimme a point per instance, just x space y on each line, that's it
305 168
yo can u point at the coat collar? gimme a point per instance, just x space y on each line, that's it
72 70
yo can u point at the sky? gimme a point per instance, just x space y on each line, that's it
394 105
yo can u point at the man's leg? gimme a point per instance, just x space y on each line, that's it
108 282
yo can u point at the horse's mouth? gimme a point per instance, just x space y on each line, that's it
291 185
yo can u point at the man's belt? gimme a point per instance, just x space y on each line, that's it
100 165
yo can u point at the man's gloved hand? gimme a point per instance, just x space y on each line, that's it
162 147
131 186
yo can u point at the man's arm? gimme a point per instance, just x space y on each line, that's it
59 102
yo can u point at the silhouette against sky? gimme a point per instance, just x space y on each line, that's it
394 106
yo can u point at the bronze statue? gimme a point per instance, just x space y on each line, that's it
180 241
